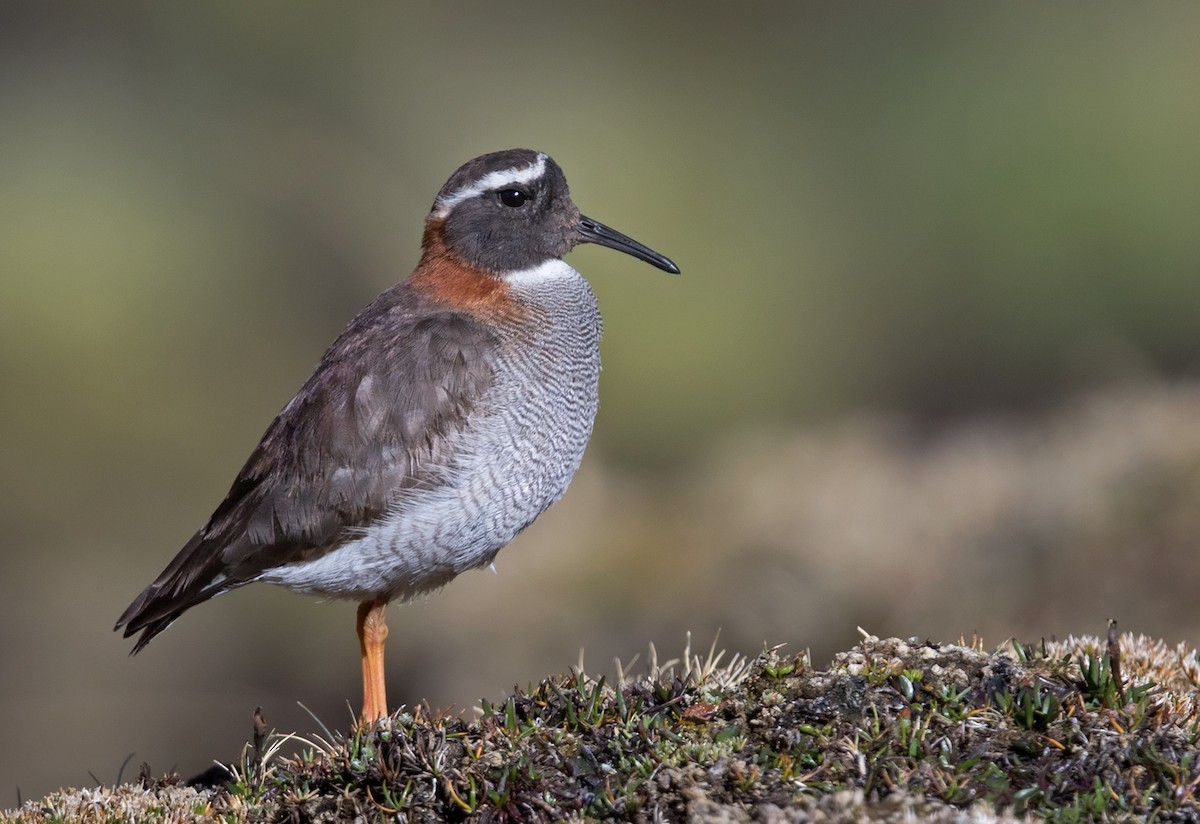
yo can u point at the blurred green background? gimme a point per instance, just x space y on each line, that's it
928 369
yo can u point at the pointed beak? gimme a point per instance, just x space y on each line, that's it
593 231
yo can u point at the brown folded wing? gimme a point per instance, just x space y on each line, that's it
366 425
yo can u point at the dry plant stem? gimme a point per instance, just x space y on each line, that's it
372 636
1114 657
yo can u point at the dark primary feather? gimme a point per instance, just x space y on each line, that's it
365 426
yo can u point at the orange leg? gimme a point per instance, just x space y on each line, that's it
372 634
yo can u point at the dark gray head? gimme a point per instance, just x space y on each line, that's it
512 210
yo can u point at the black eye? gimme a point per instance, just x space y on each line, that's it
513 197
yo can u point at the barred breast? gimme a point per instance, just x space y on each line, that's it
513 458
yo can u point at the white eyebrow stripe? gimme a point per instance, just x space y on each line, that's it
514 176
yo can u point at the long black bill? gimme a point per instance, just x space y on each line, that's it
593 231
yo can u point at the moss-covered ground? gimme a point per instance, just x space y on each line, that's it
1079 730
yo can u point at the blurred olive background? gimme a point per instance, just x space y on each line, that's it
928 369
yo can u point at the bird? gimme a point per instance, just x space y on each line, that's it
451 412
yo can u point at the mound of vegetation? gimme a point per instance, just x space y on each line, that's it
1077 730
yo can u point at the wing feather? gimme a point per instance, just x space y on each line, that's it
366 426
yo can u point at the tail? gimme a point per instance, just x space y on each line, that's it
190 579
134 620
